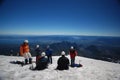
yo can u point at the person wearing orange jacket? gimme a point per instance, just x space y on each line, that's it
73 54
25 52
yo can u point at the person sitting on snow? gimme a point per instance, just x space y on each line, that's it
63 62
42 62
25 52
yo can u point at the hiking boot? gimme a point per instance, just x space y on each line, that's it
26 61
30 60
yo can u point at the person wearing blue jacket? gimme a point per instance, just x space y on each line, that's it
49 54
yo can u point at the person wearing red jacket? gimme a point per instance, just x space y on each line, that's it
73 54
25 52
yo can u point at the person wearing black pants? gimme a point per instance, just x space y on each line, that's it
49 54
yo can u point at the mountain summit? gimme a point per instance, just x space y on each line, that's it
91 70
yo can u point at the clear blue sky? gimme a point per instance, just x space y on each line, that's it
60 17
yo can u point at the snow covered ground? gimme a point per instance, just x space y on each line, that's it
91 70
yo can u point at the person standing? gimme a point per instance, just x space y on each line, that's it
25 52
11 52
63 62
49 54
73 54
38 52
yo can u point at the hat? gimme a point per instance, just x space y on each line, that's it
72 47
43 54
63 53
37 46
25 41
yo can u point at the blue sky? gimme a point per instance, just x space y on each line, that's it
60 17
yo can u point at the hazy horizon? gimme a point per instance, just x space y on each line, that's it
55 35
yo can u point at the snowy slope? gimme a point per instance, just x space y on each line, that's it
91 70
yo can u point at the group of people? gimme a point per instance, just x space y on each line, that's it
44 58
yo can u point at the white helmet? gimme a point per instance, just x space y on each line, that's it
43 54
37 46
72 47
25 41
63 53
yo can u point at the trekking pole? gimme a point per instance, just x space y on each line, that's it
56 73
57 76
79 61
80 64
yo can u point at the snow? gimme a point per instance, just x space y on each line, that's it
91 70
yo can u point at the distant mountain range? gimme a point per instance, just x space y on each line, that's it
98 47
